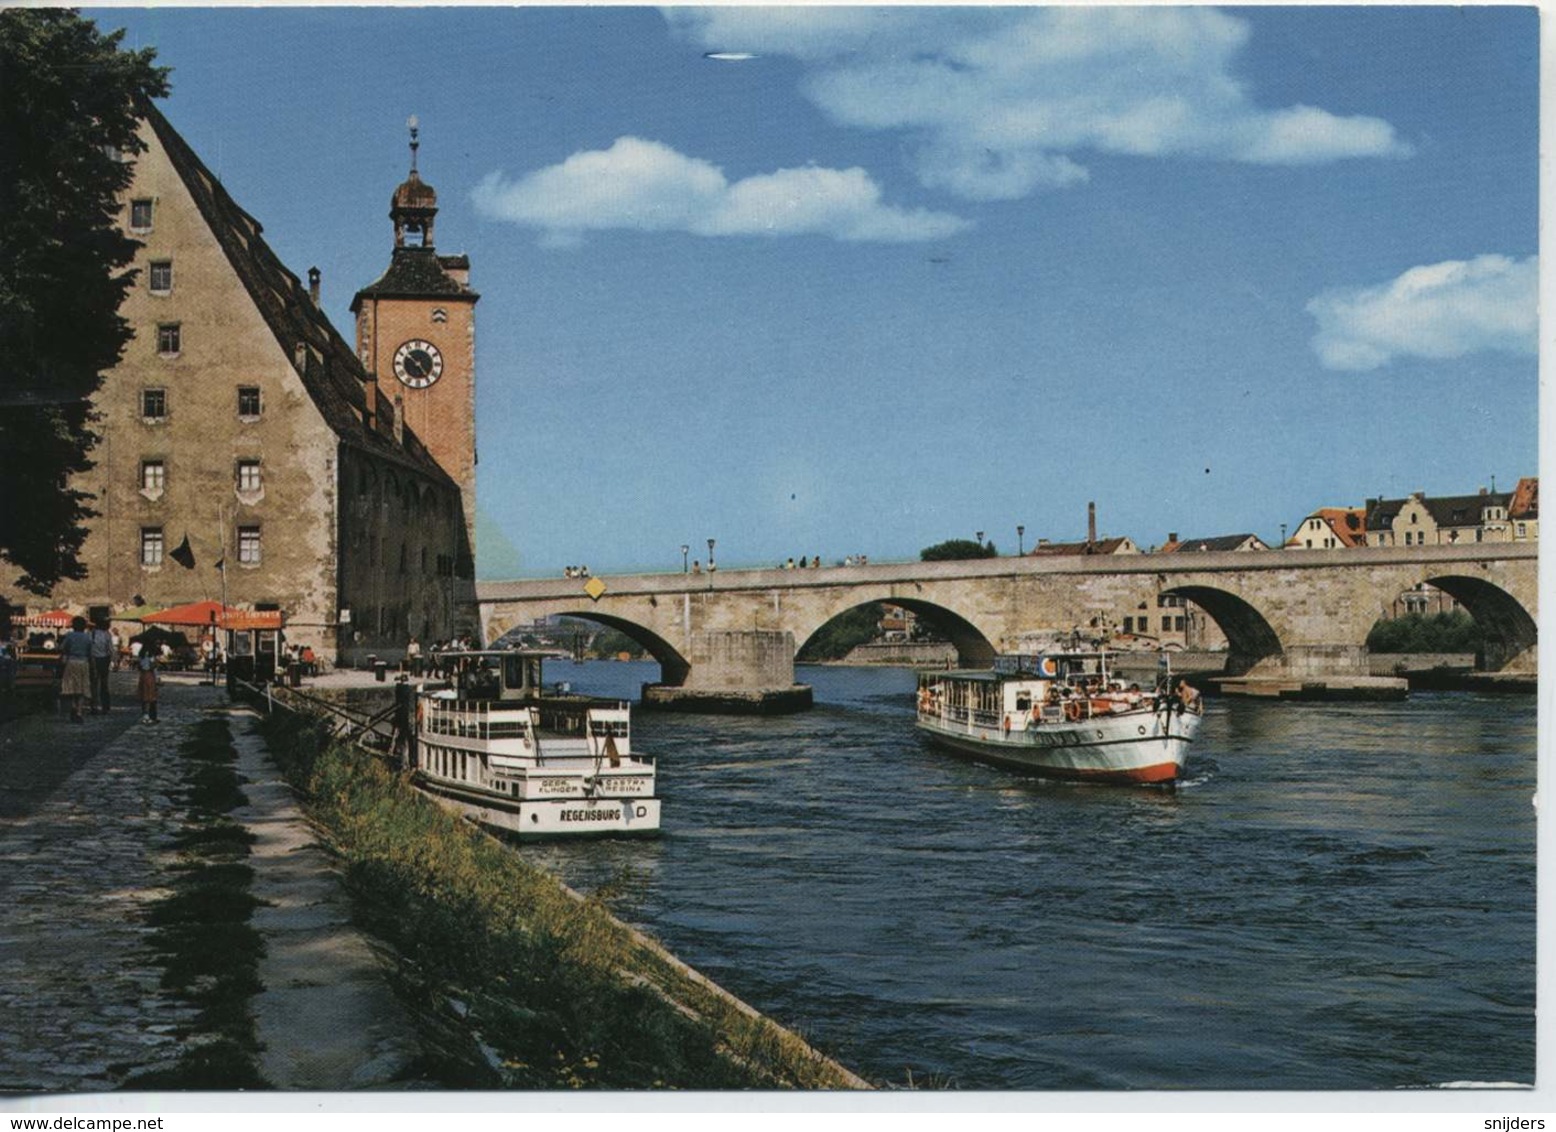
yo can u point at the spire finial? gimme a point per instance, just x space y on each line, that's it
415 125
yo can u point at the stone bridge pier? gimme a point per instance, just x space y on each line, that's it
735 671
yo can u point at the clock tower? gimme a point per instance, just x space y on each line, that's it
416 338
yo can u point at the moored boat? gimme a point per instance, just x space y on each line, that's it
1063 715
496 744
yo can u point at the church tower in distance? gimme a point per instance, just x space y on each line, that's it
416 338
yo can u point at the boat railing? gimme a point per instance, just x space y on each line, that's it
467 719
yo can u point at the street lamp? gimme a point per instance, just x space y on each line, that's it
980 540
1021 540
685 550
710 554
1282 537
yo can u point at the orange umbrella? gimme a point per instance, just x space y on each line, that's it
195 613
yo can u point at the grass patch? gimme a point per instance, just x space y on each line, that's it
565 994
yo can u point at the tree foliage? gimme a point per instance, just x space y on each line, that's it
68 101
845 632
1452 631
957 548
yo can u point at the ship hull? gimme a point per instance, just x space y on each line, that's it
1137 747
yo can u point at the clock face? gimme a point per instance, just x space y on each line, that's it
418 364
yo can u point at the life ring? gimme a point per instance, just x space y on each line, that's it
1072 711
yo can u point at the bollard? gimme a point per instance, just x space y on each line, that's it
380 670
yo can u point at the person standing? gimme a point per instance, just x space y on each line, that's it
76 679
102 664
413 656
146 685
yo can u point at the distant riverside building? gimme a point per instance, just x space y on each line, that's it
240 420
1045 549
1330 528
1488 516
1175 545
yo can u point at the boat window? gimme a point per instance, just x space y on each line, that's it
513 671
1023 701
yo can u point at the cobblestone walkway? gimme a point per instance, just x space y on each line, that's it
80 1005
87 840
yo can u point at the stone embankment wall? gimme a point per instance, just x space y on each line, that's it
495 953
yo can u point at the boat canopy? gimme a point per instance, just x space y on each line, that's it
494 674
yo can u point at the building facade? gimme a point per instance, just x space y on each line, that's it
1488 516
245 453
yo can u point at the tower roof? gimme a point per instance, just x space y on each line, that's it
413 193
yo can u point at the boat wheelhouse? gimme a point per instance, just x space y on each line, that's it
1063 715
534 762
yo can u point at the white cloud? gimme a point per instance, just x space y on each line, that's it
1001 100
648 186
1442 310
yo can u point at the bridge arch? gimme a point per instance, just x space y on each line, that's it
1509 630
972 645
1250 637
673 666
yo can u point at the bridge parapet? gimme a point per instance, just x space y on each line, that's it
1306 611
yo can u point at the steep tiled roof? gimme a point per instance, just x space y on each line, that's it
417 273
1446 510
1526 499
1101 546
1349 524
1220 542
1463 510
329 368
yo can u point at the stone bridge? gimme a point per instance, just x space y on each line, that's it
1293 612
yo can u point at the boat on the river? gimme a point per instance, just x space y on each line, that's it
1063 715
535 762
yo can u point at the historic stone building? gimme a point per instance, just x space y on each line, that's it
1489 516
238 419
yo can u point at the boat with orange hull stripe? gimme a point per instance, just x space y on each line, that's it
1063 715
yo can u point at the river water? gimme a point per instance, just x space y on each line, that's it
1338 897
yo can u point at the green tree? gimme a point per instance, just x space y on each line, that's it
957 548
841 635
1451 631
68 115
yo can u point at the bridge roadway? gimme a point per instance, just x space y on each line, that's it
1285 613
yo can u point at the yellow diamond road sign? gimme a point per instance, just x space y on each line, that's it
594 588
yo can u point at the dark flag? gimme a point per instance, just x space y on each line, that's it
183 555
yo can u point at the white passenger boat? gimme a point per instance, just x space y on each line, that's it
530 761
1063 715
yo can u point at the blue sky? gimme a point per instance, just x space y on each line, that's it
908 274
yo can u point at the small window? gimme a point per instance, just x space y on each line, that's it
1523 530
1129 624
169 339
248 546
248 400
1166 624
140 215
153 404
248 475
151 546
161 276
1177 623
153 475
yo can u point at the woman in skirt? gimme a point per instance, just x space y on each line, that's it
146 688
75 682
